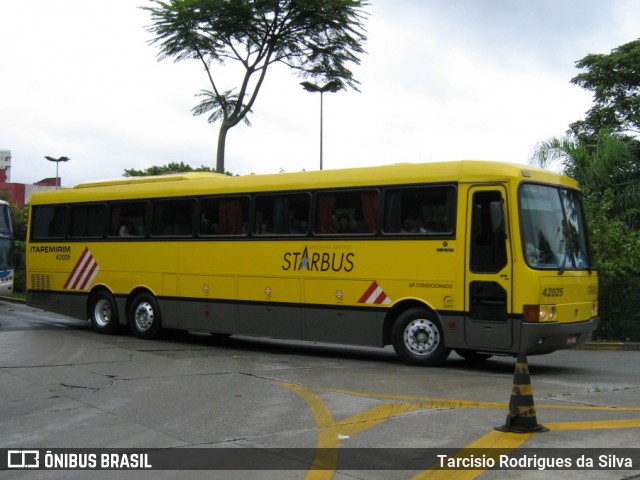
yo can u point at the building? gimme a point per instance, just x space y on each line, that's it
19 193
5 166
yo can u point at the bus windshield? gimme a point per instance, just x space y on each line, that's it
6 254
553 228
6 238
5 220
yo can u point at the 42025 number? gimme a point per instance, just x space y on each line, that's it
552 292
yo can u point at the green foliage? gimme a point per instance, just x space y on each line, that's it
20 272
172 167
614 80
167 169
19 220
317 38
616 245
218 105
619 312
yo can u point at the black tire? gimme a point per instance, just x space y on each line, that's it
145 319
418 339
103 312
472 355
219 336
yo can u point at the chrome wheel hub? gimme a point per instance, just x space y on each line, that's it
144 316
421 336
102 313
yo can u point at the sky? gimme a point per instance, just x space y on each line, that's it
441 80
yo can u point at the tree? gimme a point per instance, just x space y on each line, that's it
614 80
19 220
605 161
172 167
317 38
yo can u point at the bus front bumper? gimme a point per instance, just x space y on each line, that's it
539 338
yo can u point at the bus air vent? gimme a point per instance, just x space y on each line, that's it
41 281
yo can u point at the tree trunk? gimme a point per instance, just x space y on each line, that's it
222 140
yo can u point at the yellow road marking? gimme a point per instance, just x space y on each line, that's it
593 425
430 402
329 429
372 417
327 445
506 442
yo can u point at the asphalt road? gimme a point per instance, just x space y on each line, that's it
62 386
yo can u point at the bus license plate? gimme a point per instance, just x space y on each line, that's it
572 340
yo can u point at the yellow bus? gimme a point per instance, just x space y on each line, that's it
483 258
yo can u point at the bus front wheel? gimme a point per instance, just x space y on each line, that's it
103 312
418 339
144 316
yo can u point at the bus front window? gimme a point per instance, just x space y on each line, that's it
6 254
553 228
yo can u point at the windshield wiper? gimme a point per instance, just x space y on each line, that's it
564 262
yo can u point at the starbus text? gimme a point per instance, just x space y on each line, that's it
318 262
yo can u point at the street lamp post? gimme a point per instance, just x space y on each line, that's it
332 86
57 160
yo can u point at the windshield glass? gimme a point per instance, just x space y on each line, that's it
5 220
6 255
553 229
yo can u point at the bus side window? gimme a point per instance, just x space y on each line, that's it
426 210
173 218
49 222
128 219
88 221
347 212
224 216
283 214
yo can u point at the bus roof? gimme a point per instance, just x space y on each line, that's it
198 183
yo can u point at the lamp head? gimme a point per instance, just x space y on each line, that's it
331 86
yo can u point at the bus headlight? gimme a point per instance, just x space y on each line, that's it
539 313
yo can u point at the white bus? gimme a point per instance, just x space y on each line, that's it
6 250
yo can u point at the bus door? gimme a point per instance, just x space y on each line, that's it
488 277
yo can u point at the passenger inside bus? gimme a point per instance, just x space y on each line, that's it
126 230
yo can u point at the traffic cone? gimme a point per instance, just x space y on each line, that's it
522 412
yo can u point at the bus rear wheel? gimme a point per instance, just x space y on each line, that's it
103 312
144 316
418 339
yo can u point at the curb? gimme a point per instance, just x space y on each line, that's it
12 300
609 346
